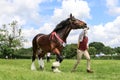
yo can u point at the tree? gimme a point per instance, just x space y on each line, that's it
98 46
70 51
117 50
108 50
92 51
10 38
24 51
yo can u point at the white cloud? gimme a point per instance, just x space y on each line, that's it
25 10
79 8
30 33
113 7
46 28
109 33
73 36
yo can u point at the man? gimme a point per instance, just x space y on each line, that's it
82 50
48 57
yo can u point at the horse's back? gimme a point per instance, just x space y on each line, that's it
41 41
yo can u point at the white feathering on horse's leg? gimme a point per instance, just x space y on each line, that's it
56 65
41 63
56 70
33 66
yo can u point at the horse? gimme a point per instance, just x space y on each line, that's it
54 42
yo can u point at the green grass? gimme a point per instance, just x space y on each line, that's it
19 69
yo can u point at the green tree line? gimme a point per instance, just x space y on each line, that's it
69 51
94 48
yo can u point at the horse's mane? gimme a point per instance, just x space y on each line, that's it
61 25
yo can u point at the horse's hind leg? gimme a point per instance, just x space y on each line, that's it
33 57
40 59
41 63
33 64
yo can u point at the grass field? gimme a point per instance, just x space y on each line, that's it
19 69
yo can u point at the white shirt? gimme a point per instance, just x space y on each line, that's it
82 34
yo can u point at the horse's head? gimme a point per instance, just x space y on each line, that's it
72 23
76 23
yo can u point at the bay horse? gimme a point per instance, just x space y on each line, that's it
54 42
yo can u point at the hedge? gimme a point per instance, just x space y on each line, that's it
107 57
53 57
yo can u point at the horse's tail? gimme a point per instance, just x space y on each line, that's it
35 46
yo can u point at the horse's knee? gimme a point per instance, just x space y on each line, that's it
88 59
59 58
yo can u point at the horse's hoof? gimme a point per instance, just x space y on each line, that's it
33 68
56 70
41 68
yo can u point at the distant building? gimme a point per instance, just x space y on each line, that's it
100 54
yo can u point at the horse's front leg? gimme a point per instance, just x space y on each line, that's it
59 59
41 63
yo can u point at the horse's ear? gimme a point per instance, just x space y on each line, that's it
71 15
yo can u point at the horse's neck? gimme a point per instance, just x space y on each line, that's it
63 33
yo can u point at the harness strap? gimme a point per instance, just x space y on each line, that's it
54 34
38 39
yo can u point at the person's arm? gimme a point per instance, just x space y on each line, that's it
78 44
80 38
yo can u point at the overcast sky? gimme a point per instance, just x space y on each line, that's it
41 16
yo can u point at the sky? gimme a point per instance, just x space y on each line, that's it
41 16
